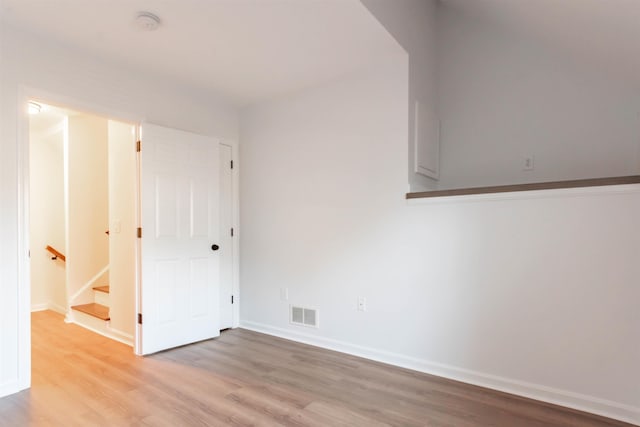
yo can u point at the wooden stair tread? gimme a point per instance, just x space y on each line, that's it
104 289
96 310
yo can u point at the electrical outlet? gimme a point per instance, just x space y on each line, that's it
284 294
362 304
527 163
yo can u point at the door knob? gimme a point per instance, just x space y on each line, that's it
215 247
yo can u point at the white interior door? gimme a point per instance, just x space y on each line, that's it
179 284
227 299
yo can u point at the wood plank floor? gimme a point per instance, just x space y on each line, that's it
245 378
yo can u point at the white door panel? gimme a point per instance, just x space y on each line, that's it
179 296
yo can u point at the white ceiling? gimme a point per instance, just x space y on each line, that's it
243 50
251 50
602 33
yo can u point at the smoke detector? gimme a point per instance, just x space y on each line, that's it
147 21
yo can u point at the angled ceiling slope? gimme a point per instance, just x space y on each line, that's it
243 50
598 33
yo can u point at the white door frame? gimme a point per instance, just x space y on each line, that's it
235 195
235 223
26 93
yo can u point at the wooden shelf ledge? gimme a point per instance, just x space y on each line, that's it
553 185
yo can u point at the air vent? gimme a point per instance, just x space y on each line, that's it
303 316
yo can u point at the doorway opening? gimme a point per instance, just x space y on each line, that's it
83 189
86 195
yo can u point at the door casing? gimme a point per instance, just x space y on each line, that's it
26 93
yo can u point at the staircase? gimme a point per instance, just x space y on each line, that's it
95 315
100 307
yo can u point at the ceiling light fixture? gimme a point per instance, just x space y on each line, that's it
34 107
147 21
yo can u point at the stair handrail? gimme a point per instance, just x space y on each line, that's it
56 253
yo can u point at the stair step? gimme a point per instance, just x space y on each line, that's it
96 310
101 297
104 289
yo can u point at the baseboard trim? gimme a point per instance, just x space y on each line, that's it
57 308
539 392
39 307
48 306
123 337
10 387
107 332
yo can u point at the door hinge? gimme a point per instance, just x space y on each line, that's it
231 164
138 144
139 232
231 232
231 299
139 318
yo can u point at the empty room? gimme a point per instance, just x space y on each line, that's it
319 212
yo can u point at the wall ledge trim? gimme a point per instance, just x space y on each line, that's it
580 402
518 188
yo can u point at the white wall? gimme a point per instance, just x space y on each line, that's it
503 97
47 224
87 204
413 24
122 226
530 293
87 83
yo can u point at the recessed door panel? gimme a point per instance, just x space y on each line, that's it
199 201
166 194
167 279
200 291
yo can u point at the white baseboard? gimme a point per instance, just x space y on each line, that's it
121 336
543 393
39 307
57 308
48 306
100 327
10 387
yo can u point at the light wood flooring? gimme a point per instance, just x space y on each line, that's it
246 378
